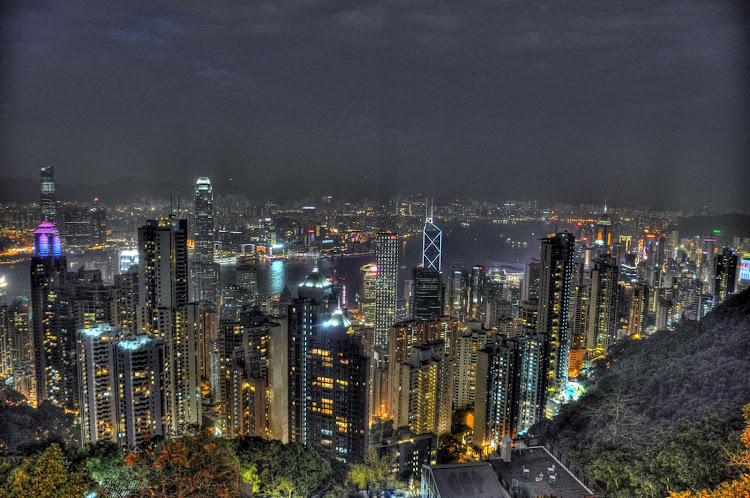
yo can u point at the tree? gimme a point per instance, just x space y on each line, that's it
738 488
375 470
47 475
193 465
284 467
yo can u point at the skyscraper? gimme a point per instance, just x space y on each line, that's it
427 294
139 362
48 201
163 296
554 300
432 245
97 380
602 315
52 324
205 275
725 275
386 293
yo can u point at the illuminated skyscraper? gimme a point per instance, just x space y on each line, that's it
97 380
386 292
602 315
52 325
427 294
205 274
432 245
48 201
139 363
369 291
603 230
163 314
725 275
530 283
554 301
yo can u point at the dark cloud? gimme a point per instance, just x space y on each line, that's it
640 101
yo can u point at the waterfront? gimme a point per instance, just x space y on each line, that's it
480 243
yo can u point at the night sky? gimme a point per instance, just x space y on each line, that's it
637 101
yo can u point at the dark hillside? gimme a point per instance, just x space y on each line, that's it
682 390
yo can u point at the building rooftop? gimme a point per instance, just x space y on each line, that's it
538 460
466 480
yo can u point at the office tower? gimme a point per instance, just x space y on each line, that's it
386 292
205 274
336 385
369 291
98 224
432 245
209 336
458 292
725 275
308 226
203 229
48 201
427 294
278 379
247 278
97 381
127 259
52 325
139 363
76 227
603 236
478 286
511 388
554 300
530 282
602 315
469 343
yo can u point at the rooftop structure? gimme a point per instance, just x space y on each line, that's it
465 480
541 471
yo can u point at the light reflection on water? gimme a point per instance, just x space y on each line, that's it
479 244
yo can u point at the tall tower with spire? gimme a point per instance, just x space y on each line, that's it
47 200
432 244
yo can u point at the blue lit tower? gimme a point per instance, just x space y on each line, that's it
52 324
554 299
47 200
432 245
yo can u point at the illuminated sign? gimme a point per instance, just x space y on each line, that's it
745 267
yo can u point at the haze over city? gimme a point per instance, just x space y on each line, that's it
641 102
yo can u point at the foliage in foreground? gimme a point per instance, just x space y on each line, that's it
739 488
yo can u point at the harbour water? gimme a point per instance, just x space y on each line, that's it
491 245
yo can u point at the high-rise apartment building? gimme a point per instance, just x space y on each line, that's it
725 275
139 363
386 292
97 381
511 388
554 300
602 315
48 200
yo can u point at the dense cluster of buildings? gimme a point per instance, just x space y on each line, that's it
156 345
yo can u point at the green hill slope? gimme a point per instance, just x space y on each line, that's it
661 412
